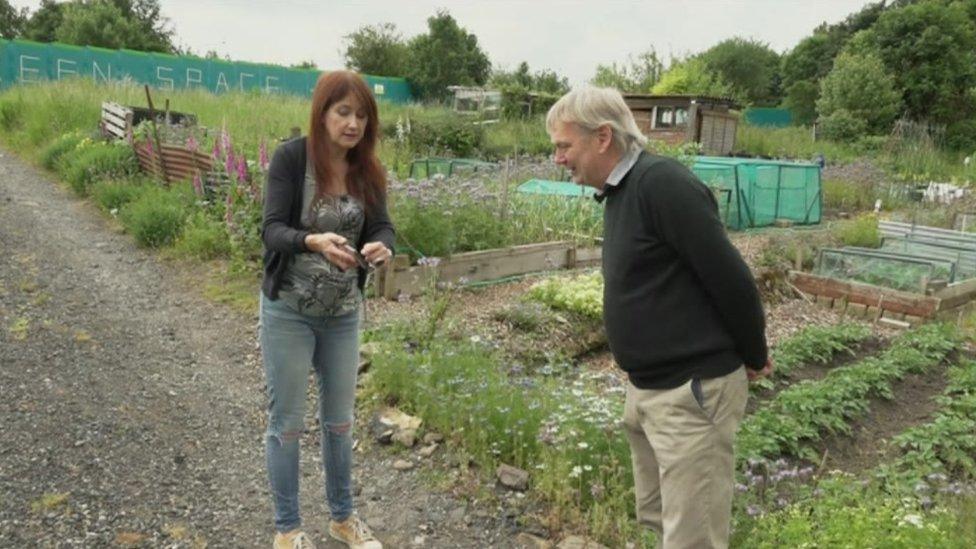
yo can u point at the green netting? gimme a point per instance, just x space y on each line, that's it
768 117
755 193
555 188
891 270
964 257
423 168
23 61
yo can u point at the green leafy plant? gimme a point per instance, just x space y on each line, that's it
156 218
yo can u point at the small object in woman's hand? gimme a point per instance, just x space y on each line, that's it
359 257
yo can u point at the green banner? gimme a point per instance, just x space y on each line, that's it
768 117
22 62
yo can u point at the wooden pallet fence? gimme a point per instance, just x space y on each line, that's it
399 278
177 163
116 121
868 301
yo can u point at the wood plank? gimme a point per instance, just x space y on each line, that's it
957 294
493 264
115 108
587 257
867 294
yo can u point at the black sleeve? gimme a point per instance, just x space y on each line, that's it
378 227
280 193
685 213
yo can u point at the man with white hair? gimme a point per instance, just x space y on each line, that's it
682 315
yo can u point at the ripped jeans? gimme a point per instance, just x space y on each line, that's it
292 344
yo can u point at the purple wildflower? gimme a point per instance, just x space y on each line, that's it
191 144
753 510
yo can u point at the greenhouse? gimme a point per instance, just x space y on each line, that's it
757 193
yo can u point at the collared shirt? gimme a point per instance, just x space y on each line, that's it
620 170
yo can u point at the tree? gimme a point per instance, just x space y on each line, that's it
133 24
545 81
447 55
692 77
309 64
43 23
379 50
858 95
801 100
749 67
100 24
12 20
151 23
805 65
930 49
638 75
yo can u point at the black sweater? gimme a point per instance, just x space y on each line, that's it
281 229
679 301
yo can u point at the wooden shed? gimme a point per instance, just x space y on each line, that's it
675 119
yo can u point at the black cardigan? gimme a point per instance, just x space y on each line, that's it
679 301
281 230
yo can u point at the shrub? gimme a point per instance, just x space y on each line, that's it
11 114
156 218
112 196
842 125
861 231
89 162
203 238
58 148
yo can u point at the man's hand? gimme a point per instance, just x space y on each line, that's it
759 374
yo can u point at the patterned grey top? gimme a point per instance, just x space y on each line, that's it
312 285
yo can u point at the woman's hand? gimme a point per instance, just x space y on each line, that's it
331 246
376 253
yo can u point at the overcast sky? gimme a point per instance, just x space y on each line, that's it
568 36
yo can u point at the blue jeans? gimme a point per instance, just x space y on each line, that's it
291 344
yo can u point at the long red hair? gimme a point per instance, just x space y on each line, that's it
366 179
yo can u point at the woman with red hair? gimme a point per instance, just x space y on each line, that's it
325 224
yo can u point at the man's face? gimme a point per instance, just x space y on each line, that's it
580 152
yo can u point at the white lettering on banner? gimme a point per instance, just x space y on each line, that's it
240 79
267 84
62 70
197 73
379 89
221 79
161 78
28 70
96 70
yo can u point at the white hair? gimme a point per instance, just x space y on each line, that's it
590 107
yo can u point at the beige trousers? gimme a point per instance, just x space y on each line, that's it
681 447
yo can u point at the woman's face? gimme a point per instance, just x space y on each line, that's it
345 122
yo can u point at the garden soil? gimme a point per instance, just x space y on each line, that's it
133 409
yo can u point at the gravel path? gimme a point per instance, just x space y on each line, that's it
132 409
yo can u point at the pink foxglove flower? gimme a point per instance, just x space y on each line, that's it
229 164
229 209
197 184
263 161
241 169
191 144
225 144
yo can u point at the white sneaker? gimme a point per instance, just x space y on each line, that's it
296 539
354 533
